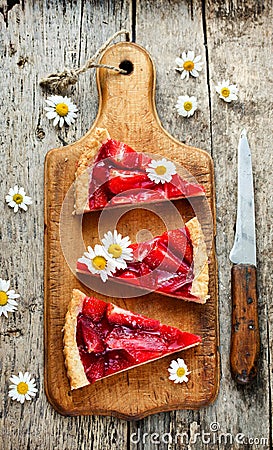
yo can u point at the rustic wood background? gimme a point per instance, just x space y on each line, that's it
235 39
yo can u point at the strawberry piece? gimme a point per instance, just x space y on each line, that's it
177 338
137 273
192 189
160 256
173 283
98 199
119 316
119 154
127 275
81 267
138 195
92 341
141 250
124 180
96 369
94 308
148 195
139 356
118 360
100 173
121 338
182 188
134 247
132 267
179 243
114 149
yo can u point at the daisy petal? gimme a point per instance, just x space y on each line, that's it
194 73
50 103
197 58
23 206
55 121
51 115
190 55
22 191
179 62
27 200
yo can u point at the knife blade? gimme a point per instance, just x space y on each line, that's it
245 337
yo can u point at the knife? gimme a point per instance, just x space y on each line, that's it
245 337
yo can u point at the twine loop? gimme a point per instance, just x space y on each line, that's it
60 81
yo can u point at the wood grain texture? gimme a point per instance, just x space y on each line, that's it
127 111
245 336
38 37
239 41
235 40
48 36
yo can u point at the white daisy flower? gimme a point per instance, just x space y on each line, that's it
117 247
7 296
98 262
23 387
189 65
61 110
17 198
161 171
227 92
186 106
178 371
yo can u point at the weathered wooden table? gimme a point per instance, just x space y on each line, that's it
235 39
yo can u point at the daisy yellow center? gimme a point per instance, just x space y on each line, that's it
180 372
115 250
17 198
99 262
61 109
188 65
22 388
3 298
160 170
225 92
188 106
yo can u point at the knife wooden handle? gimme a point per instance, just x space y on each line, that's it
245 336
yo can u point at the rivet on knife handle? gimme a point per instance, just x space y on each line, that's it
245 337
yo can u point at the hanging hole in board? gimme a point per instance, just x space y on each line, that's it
127 65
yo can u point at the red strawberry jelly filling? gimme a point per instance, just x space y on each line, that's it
119 176
164 264
111 339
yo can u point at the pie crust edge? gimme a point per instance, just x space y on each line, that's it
75 370
200 260
82 172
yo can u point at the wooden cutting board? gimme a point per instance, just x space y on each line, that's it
127 110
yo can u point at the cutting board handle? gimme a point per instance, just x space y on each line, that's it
127 100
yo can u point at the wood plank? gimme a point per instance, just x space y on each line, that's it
181 28
128 112
239 43
235 31
49 36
